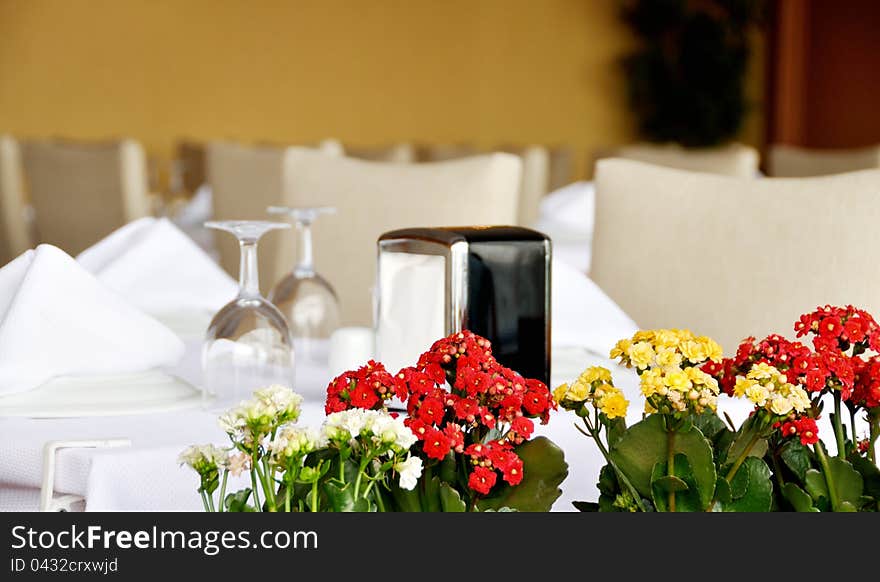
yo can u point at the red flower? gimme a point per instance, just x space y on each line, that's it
537 399
523 427
455 435
435 444
514 472
482 480
431 411
804 427
467 409
363 396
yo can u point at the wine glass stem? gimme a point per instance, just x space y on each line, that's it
305 265
248 273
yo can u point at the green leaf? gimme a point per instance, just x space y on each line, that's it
797 458
644 445
847 481
710 425
587 506
758 495
237 502
406 500
431 494
870 475
798 498
683 484
450 500
340 497
616 429
847 507
814 483
544 469
608 484
722 490
743 440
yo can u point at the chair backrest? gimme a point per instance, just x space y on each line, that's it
82 192
401 153
535 180
15 236
728 160
730 257
795 162
561 168
191 156
373 197
445 152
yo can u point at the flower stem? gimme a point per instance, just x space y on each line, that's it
742 458
314 503
204 500
254 483
594 434
874 420
670 465
223 490
838 427
829 480
852 427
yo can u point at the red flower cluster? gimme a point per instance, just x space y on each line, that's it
838 328
455 395
866 390
489 458
367 387
805 428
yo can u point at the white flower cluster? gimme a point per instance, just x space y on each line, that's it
203 458
253 419
294 442
381 427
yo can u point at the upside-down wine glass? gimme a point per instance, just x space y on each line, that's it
306 299
248 343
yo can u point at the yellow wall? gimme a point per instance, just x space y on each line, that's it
363 71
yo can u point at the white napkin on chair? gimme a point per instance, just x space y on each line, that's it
56 319
157 268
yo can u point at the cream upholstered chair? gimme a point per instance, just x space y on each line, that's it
729 160
561 168
401 153
372 198
730 257
15 236
796 162
81 192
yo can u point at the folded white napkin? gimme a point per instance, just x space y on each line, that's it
583 315
157 268
56 319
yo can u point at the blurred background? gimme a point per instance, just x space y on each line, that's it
422 81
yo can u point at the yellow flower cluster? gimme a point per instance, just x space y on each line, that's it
665 360
769 389
665 348
593 386
673 389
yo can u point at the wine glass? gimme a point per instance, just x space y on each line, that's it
306 299
248 343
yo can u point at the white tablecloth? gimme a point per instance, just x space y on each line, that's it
145 476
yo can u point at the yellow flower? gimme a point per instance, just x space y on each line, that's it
742 384
780 405
678 380
694 351
651 381
762 371
667 338
614 405
668 358
713 349
641 354
643 335
560 393
578 391
757 394
799 398
595 374
649 409
621 348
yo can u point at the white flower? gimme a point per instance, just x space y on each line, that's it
238 463
350 422
781 405
392 431
292 441
409 470
203 458
280 401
